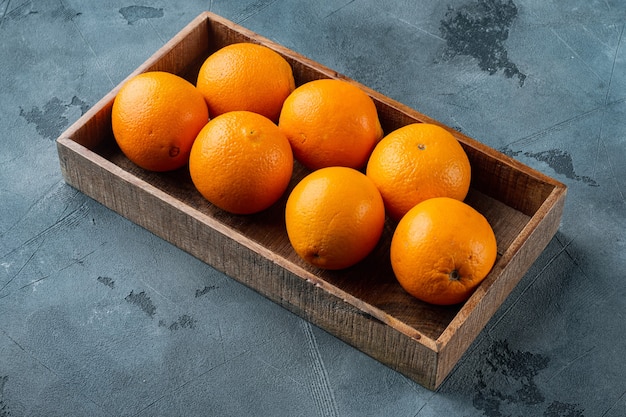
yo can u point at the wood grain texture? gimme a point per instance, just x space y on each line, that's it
362 305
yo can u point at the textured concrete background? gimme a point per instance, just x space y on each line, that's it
100 318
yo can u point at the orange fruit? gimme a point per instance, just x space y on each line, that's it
334 217
155 118
245 76
241 162
441 250
330 123
417 162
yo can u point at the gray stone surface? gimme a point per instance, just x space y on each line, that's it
98 317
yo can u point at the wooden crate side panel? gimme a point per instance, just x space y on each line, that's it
188 46
483 304
222 32
512 183
93 127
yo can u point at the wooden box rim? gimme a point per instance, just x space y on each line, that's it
76 145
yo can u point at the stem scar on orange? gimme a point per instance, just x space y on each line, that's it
334 217
417 162
441 250
241 162
155 119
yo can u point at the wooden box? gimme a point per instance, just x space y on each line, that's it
363 305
